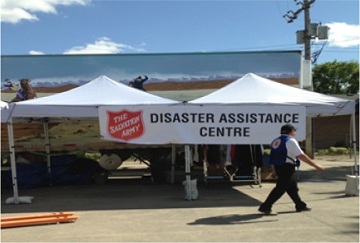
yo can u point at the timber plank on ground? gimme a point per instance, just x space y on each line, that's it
38 219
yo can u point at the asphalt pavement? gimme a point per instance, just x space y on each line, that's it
133 209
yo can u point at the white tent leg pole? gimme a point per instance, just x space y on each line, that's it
355 154
47 147
187 168
16 199
354 144
173 160
352 181
196 153
13 162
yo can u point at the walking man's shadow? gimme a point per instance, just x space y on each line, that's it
232 219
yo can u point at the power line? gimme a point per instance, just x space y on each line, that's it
290 47
339 50
316 54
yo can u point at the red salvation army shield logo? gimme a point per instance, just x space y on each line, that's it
125 125
276 143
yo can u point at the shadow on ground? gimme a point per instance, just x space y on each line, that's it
139 194
125 194
233 219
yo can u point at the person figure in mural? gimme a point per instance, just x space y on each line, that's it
138 82
285 156
13 86
25 92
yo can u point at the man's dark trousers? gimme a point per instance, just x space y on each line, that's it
286 182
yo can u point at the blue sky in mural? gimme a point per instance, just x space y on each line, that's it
54 70
171 26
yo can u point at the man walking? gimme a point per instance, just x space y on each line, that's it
284 157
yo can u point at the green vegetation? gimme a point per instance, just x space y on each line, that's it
336 77
333 151
329 151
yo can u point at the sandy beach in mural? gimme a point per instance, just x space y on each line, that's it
164 86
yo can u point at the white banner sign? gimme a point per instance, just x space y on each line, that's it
194 124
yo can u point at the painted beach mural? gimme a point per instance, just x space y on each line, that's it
178 76
165 72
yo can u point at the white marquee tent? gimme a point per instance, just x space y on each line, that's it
80 103
83 102
254 90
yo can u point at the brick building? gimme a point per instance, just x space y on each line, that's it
335 130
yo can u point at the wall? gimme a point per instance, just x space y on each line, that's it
334 131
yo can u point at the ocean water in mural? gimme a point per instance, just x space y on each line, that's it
60 70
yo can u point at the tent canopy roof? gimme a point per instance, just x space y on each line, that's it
255 90
4 111
83 101
100 91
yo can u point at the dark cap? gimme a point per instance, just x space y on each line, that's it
286 129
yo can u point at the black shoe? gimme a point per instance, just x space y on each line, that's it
267 211
304 209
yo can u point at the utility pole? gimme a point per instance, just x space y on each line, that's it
311 31
304 37
307 36
309 144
